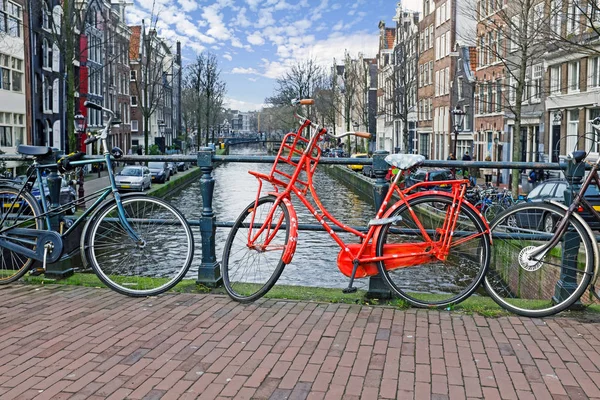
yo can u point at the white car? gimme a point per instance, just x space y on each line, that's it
134 177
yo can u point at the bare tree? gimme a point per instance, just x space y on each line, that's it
513 36
150 80
207 90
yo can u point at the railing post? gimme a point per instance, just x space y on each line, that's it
377 288
209 273
571 242
62 268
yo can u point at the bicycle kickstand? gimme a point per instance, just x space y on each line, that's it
350 288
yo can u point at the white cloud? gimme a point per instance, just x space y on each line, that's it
217 28
188 5
256 39
244 71
241 105
227 56
241 20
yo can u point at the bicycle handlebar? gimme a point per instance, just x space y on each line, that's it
104 134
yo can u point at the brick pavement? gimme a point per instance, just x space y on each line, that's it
59 342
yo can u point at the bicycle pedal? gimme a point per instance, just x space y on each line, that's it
36 271
349 290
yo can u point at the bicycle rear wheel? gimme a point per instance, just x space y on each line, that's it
16 211
251 269
542 286
433 282
140 270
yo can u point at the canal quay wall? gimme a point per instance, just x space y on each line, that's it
176 183
358 183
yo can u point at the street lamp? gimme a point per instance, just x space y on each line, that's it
458 117
355 125
80 125
497 143
161 131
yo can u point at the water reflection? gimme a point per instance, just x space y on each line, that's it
314 262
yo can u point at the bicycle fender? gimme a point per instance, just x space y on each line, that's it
399 203
290 248
590 233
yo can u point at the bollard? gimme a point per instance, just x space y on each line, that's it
209 273
568 277
377 288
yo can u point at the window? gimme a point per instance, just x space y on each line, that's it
514 33
467 120
134 125
5 136
512 90
4 78
133 75
572 130
555 76
10 18
574 76
134 101
573 17
536 82
498 95
459 87
556 12
594 72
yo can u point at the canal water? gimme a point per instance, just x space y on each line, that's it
314 262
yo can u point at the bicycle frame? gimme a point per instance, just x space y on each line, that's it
571 212
102 194
396 255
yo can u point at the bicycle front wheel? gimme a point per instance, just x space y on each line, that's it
426 280
545 284
147 269
22 211
251 265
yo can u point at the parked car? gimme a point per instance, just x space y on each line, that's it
183 166
425 175
336 153
368 171
553 190
358 167
67 192
134 177
159 171
172 168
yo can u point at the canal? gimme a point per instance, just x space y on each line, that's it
314 262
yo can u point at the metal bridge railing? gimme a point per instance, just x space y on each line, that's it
209 270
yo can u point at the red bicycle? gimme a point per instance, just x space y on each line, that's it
434 237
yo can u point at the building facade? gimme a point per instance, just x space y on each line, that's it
13 77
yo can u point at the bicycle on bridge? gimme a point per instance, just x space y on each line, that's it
431 233
137 245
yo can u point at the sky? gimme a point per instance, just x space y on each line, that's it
257 41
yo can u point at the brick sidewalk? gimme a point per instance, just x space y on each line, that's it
61 342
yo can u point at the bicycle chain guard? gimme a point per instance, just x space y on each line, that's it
10 242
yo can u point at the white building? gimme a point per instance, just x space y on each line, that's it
12 78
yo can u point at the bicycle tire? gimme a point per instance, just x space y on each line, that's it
526 287
492 211
146 270
458 276
13 265
245 277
